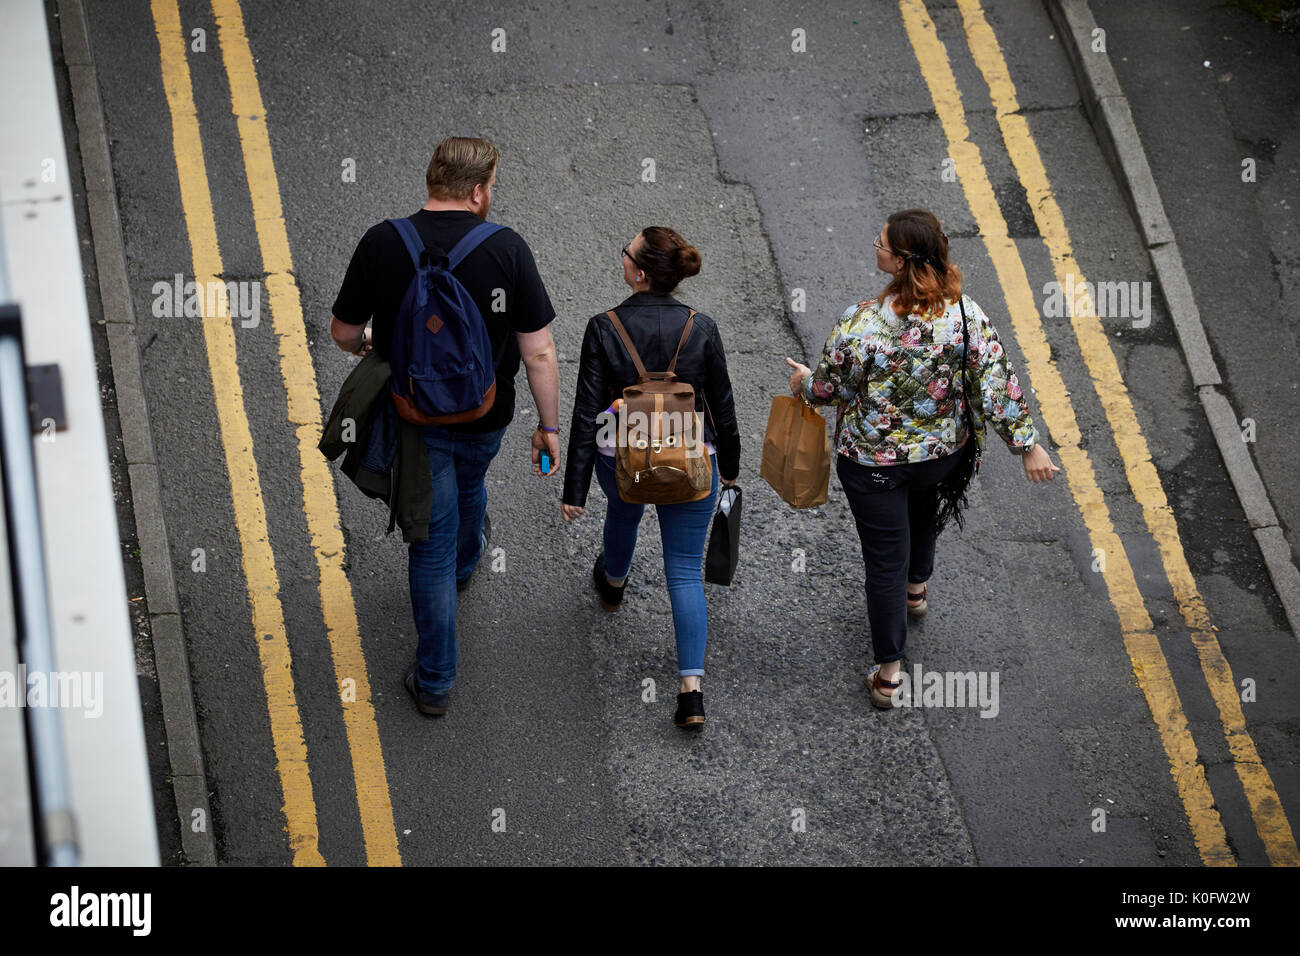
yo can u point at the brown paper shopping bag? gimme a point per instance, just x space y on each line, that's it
796 453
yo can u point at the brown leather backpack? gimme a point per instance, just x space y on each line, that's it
660 457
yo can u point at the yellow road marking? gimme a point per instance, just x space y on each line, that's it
1266 808
1148 661
319 502
237 441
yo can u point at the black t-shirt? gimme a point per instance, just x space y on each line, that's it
381 269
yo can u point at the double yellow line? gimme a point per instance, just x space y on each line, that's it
1144 651
319 501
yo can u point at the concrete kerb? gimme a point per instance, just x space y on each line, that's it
170 659
1108 110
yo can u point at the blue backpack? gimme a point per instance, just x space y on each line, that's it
441 357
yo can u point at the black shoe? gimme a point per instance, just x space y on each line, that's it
690 710
611 596
434 705
485 539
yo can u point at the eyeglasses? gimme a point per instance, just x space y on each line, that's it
630 256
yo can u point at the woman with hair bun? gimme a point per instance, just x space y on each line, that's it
653 264
897 367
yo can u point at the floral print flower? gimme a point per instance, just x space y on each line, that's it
900 385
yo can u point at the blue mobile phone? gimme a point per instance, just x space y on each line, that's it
546 463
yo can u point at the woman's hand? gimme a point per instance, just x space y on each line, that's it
569 512
797 376
1038 466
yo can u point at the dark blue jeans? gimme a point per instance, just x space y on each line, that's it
458 463
684 530
894 509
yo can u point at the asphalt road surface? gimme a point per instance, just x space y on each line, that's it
781 137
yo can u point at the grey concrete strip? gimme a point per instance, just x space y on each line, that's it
1124 147
1108 111
183 747
95 168
115 291
155 557
1108 108
1097 78
1286 578
1177 290
1228 436
124 355
179 718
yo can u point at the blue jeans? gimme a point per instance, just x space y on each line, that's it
458 463
684 530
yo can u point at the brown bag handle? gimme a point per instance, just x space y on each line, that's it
642 374
686 334
636 357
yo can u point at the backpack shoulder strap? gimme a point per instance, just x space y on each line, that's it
686 334
627 342
410 238
470 242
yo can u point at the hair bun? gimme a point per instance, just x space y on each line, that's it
688 261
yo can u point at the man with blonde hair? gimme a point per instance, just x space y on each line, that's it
500 275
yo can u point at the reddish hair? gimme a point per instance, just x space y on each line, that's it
927 280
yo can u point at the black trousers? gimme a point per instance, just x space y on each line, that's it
894 508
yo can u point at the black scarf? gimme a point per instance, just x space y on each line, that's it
952 490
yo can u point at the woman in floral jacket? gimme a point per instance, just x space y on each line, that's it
893 367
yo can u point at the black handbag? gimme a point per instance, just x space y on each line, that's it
723 552
953 489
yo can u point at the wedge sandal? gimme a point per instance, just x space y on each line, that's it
916 603
875 682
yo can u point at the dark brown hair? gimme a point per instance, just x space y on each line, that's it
927 279
459 164
666 258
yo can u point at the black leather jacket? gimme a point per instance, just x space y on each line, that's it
654 322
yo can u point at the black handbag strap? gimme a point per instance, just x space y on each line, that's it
965 368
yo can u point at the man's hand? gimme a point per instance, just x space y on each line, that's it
537 350
569 512
1038 466
548 442
348 337
365 348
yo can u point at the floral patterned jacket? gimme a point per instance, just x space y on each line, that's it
892 378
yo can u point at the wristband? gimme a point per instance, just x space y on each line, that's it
549 431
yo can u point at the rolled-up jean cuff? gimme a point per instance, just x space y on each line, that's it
694 672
